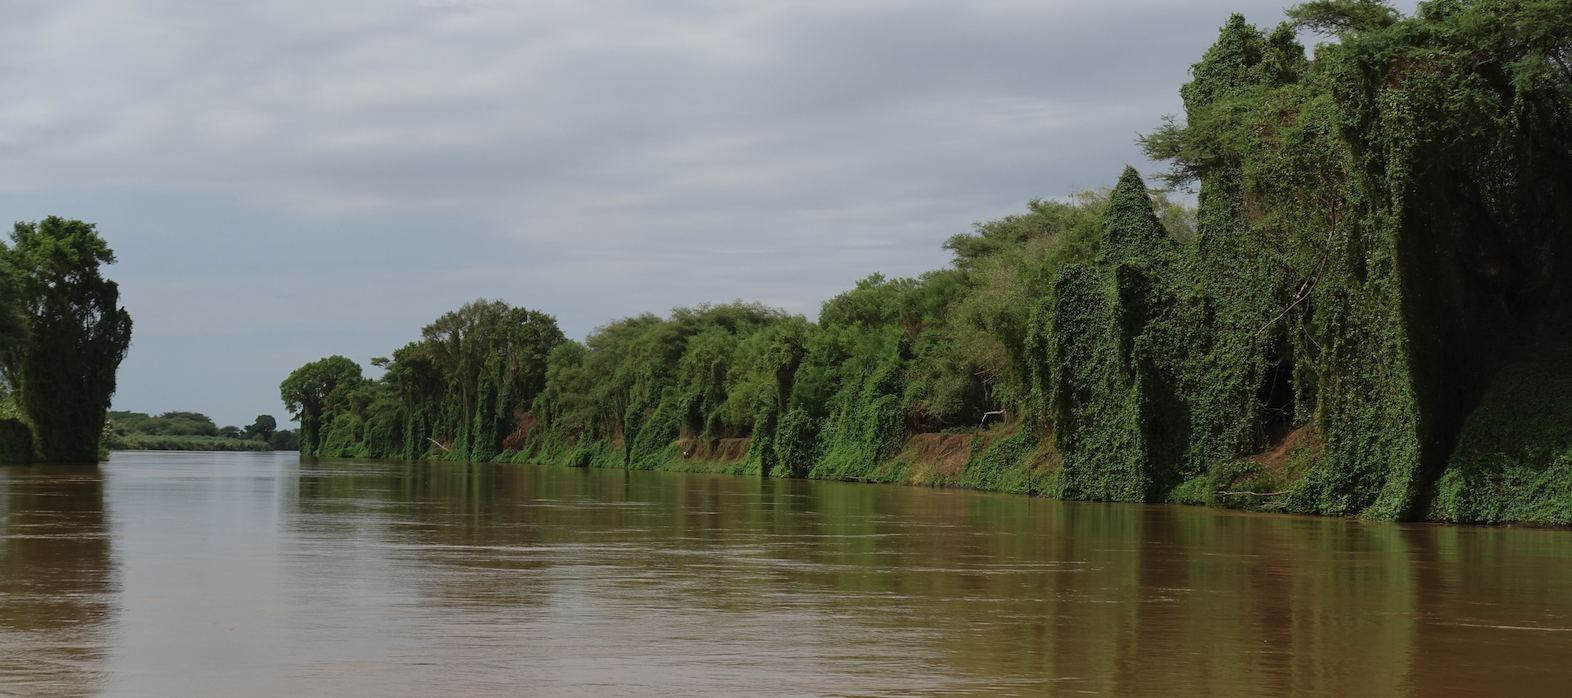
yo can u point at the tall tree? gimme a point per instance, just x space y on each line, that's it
307 388
495 357
80 334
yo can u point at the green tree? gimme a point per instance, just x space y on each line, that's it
306 390
65 373
263 428
284 440
494 359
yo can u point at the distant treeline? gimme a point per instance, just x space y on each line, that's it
1369 314
193 431
63 335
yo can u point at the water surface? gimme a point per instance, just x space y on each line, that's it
246 574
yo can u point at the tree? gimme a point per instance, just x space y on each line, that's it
284 440
65 374
263 428
307 388
495 356
14 331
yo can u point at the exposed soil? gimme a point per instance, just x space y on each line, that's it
520 436
1275 458
945 452
714 450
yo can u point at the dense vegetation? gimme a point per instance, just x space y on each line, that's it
63 335
1369 314
193 431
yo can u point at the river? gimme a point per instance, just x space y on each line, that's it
258 574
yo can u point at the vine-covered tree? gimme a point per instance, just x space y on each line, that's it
495 357
64 373
458 394
307 389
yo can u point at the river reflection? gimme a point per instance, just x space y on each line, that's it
257 574
57 581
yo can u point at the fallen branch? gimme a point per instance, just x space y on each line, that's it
438 443
986 415
1258 494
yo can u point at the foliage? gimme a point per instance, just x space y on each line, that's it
494 360
456 394
1006 464
263 428
1513 460
192 431
1109 373
150 442
284 440
1379 225
832 398
306 391
77 334
166 424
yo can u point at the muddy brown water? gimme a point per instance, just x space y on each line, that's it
181 574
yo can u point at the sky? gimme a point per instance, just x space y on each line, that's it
288 180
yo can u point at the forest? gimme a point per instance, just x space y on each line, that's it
1368 313
63 335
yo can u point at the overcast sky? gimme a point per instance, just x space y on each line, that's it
287 180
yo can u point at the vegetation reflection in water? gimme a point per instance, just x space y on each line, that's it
1133 600
57 579
376 578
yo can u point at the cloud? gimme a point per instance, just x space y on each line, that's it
287 180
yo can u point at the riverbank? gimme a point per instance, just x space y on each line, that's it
149 442
998 459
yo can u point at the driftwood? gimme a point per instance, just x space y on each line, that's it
438 443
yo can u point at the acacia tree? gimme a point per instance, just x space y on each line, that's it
64 375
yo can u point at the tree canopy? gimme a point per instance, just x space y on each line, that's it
63 374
